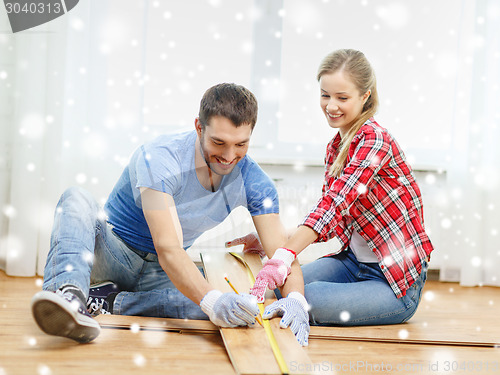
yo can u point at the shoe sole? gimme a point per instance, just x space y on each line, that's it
54 316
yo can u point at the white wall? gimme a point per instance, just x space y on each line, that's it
416 49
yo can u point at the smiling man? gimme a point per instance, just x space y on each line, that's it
174 188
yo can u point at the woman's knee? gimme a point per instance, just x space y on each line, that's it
314 293
328 269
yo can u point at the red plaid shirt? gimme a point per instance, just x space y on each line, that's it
377 195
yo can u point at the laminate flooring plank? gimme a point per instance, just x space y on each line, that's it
166 324
115 352
448 314
375 358
249 348
285 338
26 350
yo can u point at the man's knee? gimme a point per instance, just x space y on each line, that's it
81 195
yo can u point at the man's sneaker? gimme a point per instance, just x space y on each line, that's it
101 297
64 314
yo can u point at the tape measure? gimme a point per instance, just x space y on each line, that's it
267 325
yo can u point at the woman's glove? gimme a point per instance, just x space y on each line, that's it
251 244
294 311
230 309
274 272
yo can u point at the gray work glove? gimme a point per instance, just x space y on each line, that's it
230 309
294 311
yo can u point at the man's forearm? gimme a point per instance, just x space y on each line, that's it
294 281
183 273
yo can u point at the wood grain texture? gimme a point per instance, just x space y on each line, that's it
447 315
25 350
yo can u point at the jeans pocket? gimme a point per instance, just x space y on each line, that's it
409 297
417 287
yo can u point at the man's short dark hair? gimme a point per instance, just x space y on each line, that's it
231 101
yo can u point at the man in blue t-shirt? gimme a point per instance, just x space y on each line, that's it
174 188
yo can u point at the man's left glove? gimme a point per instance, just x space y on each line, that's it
294 311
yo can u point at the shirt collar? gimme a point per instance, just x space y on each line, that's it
334 143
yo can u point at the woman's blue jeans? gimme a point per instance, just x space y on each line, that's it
342 291
84 250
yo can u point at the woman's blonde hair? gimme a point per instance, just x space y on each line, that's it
354 64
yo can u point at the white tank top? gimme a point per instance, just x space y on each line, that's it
361 250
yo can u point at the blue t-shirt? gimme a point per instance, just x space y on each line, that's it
167 164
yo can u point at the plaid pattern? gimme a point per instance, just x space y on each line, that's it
377 195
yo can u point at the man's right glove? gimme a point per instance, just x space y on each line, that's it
230 309
274 272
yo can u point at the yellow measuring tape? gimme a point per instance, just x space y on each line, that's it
267 326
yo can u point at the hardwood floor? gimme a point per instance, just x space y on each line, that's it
455 331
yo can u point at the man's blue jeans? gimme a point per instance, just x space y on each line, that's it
84 250
342 291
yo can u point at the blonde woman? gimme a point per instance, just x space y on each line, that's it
370 201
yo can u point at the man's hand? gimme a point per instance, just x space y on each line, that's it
294 312
251 244
230 309
274 272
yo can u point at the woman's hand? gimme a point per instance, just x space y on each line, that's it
273 273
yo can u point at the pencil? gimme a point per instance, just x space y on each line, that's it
233 288
231 285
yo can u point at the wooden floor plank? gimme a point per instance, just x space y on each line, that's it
115 352
249 348
165 324
448 314
351 357
26 350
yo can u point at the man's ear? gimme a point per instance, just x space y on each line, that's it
198 126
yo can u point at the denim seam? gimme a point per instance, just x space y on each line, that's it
387 315
109 249
54 257
117 304
137 282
